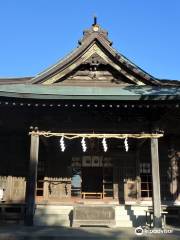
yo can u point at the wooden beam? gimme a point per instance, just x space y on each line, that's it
31 181
156 183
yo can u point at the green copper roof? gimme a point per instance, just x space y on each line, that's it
35 91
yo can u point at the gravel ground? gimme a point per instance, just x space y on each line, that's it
14 232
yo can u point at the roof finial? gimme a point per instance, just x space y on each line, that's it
95 21
95 26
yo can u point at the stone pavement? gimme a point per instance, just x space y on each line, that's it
17 232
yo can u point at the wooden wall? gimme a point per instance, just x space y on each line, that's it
14 166
15 144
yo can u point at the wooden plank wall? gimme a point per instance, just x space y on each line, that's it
14 162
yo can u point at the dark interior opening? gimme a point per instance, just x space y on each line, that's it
92 179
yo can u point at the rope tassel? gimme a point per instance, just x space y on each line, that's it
126 144
83 143
104 144
62 144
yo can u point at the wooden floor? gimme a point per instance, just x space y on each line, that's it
77 200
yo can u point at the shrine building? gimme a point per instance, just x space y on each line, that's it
92 140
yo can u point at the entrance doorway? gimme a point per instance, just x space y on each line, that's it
92 179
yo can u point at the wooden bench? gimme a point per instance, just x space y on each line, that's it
150 212
96 194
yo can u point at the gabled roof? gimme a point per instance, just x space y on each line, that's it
14 80
94 63
95 41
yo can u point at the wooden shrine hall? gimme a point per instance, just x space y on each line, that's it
93 131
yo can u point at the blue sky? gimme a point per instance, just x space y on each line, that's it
36 33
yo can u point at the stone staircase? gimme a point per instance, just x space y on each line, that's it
61 215
53 215
130 216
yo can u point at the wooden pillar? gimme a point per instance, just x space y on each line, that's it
138 179
115 183
173 162
32 179
156 183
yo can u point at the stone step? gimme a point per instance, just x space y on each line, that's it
127 216
53 210
123 217
124 223
60 215
53 215
133 211
52 220
121 213
53 207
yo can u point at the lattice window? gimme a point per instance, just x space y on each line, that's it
146 180
40 177
145 168
108 181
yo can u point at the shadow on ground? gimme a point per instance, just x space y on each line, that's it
17 232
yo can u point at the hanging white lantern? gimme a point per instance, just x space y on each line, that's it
83 143
104 144
126 144
62 144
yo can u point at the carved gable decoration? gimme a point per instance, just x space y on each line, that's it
95 60
95 63
94 71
